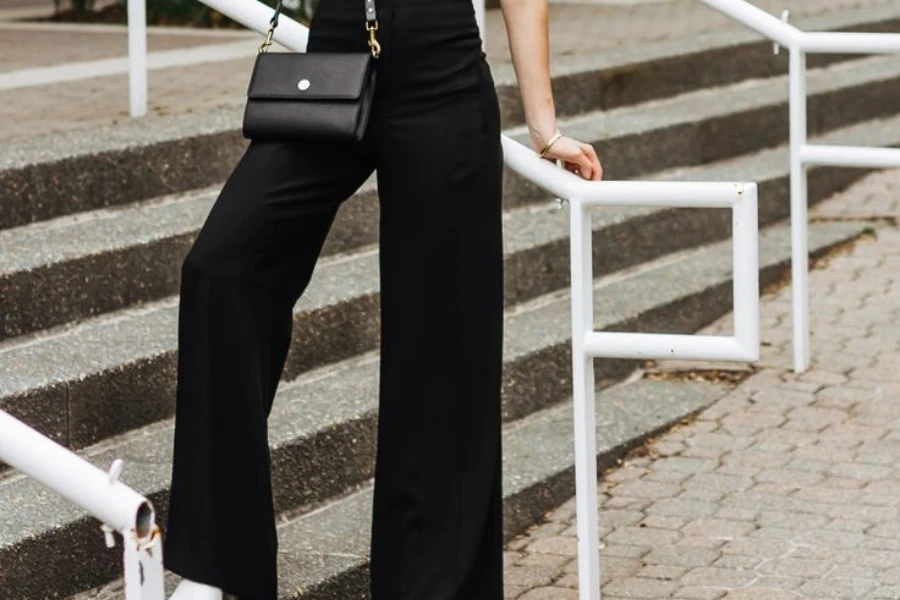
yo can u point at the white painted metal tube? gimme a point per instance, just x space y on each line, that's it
137 57
799 220
826 42
255 15
809 41
614 344
559 182
758 20
745 273
74 478
583 395
850 156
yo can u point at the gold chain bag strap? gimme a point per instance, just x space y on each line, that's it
296 96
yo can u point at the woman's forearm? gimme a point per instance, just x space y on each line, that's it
528 32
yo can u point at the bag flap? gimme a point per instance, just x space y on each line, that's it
319 75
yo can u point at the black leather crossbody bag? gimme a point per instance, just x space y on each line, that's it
304 95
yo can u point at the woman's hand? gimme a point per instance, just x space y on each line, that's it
577 157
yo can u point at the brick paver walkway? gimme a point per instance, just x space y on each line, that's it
576 27
787 488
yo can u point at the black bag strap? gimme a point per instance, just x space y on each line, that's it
371 27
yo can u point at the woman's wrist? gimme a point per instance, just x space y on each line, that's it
546 147
542 133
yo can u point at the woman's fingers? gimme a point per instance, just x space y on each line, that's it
577 157
583 163
595 161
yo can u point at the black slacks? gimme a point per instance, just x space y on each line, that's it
434 140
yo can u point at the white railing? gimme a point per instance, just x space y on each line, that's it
117 506
137 57
587 344
802 153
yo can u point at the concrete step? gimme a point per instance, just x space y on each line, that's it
323 424
77 383
61 174
70 268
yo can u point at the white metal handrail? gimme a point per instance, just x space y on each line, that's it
587 344
117 506
756 18
802 153
137 57
789 36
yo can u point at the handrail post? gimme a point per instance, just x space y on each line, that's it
143 569
745 267
799 242
583 397
137 57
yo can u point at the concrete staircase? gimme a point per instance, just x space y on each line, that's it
93 227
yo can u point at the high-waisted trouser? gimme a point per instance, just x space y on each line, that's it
434 140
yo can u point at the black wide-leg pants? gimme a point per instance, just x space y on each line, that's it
434 140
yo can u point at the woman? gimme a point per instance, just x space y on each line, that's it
434 139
